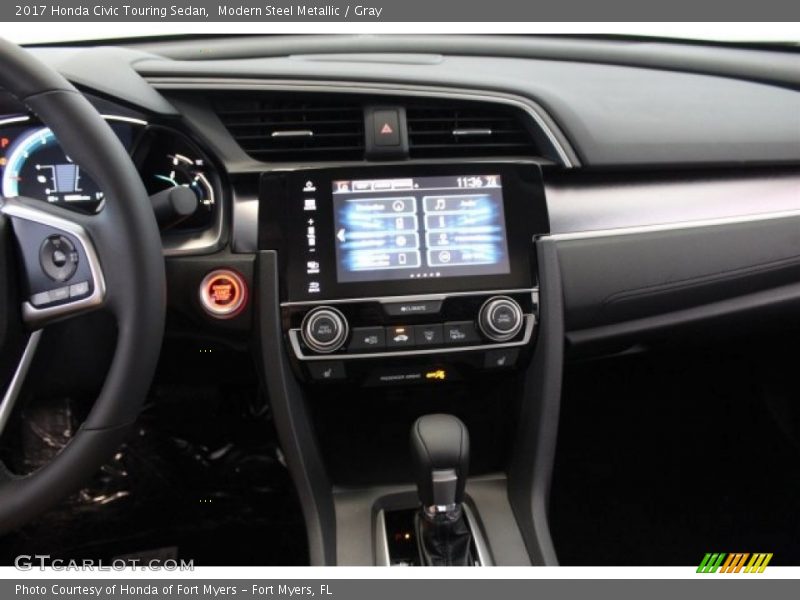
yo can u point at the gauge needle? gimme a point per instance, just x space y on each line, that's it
168 179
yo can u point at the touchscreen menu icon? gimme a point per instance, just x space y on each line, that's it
419 228
462 229
379 233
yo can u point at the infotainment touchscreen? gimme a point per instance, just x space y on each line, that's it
419 227
393 230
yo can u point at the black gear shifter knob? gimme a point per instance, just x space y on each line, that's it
440 451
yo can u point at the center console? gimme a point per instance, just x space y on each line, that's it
405 274
390 293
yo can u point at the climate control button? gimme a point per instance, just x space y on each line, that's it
324 330
500 318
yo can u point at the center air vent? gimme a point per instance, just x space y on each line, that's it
288 127
467 129
279 126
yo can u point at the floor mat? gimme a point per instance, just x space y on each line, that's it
202 475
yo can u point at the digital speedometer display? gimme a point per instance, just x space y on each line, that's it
37 167
34 166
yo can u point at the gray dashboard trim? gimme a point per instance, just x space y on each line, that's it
639 229
584 211
545 123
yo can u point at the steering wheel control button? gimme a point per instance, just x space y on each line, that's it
399 337
77 290
500 318
429 335
367 339
40 299
58 258
223 293
460 333
324 330
329 370
50 296
59 294
501 359
422 307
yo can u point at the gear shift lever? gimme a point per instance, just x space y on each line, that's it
440 451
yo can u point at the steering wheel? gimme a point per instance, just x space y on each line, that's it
71 264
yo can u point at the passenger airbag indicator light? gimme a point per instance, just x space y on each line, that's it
223 293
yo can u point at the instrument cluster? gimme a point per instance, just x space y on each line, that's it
33 165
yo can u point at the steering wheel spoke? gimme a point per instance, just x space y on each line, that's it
12 392
62 270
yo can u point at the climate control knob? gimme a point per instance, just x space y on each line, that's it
324 329
500 318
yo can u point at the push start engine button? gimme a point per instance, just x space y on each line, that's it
223 293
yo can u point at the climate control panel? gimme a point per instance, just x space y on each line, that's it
337 339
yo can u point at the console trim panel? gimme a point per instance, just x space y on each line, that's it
294 340
414 298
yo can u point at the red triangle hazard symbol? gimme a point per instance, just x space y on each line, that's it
386 129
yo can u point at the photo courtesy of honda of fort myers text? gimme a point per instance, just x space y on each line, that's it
293 295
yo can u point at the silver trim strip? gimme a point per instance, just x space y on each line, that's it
14 208
297 133
383 559
132 120
294 341
536 112
462 132
14 388
382 556
477 535
417 298
10 120
634 230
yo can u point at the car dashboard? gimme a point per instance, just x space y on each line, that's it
388 222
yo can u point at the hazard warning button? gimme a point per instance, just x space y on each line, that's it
386 125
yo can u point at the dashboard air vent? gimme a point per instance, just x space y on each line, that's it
466 130
288 127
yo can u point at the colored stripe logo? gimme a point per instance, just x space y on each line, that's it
736 562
